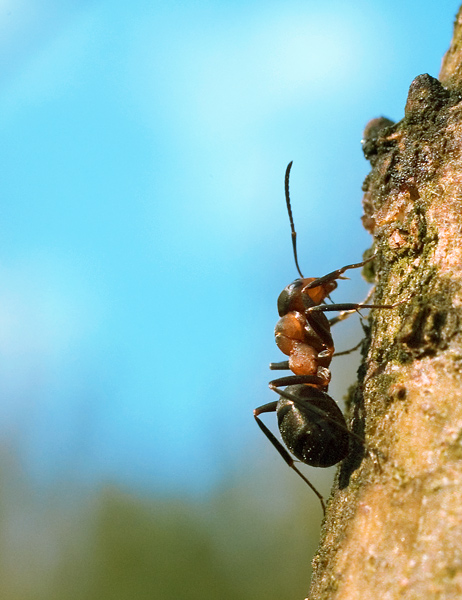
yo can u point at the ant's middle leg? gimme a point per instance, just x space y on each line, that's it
349 307
280 366
345 314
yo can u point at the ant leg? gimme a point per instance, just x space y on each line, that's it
344 314
372 452
345 352
271 407
314 409
337 274
294 379
350 307
280 366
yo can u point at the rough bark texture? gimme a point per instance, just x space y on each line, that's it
394 526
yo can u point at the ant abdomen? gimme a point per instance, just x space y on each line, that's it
313 427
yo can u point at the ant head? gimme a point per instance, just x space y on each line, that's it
290 298
289 210
298 295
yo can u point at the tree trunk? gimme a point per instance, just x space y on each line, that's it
394 525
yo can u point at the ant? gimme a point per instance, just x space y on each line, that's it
312 425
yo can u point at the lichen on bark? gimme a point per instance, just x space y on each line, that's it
394 525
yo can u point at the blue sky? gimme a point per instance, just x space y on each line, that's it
143 234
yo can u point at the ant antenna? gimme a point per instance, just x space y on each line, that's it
289 210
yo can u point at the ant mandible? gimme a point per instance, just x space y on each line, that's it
312 425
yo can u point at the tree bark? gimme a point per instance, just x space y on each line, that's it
394 526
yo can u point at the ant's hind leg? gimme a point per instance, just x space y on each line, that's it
271 407
315 410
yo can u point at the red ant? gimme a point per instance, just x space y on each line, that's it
312 425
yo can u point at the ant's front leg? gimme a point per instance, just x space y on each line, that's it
345 352
336 274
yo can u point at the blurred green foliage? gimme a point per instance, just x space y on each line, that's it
69 543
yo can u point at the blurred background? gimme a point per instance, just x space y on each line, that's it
144 241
